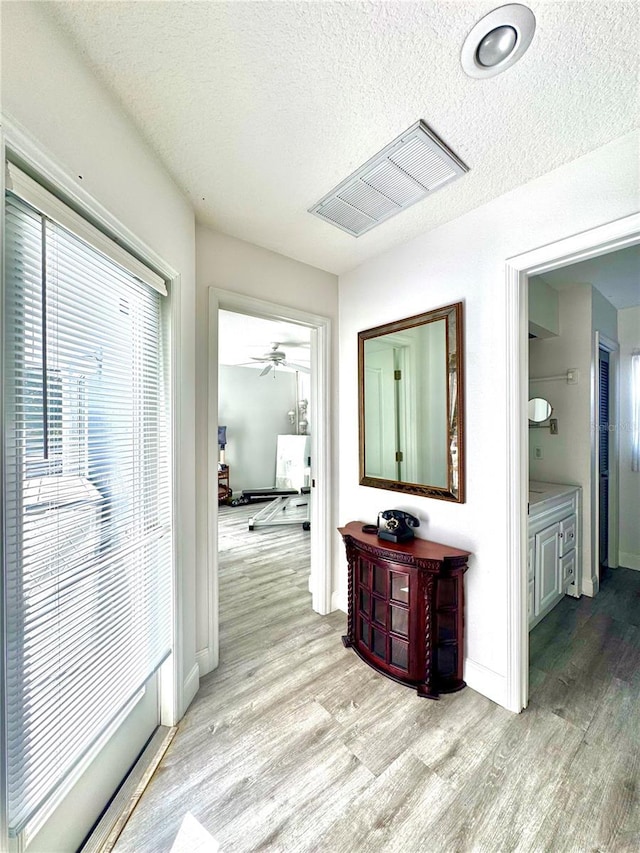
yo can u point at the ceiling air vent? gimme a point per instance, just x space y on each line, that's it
408 169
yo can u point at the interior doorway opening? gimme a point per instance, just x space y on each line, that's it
316 384
588 245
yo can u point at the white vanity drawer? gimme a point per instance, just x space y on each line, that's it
568 569
567 535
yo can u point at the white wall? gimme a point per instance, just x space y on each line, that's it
566 457
254 409
604 315
465 260
629 545
544 318
229 264
50 92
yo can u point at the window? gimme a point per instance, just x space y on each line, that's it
87 490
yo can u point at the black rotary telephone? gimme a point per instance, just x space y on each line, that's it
395 525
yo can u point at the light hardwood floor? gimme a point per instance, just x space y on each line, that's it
294 744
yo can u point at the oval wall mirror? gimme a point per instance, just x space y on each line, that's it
539 410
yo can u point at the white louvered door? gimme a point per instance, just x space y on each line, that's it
87 520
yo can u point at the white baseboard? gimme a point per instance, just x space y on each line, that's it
191 685
338 602
484 680
590 586
629 561
206 660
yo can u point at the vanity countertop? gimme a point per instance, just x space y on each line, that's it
540 492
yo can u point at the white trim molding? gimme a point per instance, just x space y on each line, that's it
486 681
320 582
601 240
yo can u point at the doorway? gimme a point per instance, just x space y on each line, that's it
590 244
319 328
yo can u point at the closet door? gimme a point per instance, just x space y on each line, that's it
603 454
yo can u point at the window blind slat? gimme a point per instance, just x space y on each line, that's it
88 499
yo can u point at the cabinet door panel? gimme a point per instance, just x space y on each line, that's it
399 654
400 620
400 587
547 580
379 643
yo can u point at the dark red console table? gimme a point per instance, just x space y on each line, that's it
406 609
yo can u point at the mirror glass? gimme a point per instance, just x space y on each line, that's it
539 410
411 406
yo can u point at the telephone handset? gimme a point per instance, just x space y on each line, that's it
395 525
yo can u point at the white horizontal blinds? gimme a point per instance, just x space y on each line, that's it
88 493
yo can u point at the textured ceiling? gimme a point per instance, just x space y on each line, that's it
259 108
616 275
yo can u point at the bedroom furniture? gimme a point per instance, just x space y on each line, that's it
224 487
406 609
554 547
287 507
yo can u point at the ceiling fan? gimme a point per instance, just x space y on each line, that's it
277 358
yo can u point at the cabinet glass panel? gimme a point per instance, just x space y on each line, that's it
365 633
379 643
446 626
399 620
379 580
380 611
364 573
365 602
400 587
447 593
399 653
447 658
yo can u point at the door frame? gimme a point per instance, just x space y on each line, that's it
570 250
321 564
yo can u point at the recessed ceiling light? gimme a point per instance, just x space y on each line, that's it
498 40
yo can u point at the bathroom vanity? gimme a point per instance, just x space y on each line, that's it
554 546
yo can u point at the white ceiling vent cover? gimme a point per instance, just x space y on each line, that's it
408 169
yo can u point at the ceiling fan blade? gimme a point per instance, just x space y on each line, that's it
266 370
255 358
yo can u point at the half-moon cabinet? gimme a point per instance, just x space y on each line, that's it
406 609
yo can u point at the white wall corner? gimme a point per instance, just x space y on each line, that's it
191 685
338 601
629 561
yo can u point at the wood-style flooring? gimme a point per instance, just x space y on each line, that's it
294 744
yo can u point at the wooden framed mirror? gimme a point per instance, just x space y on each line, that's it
411 405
